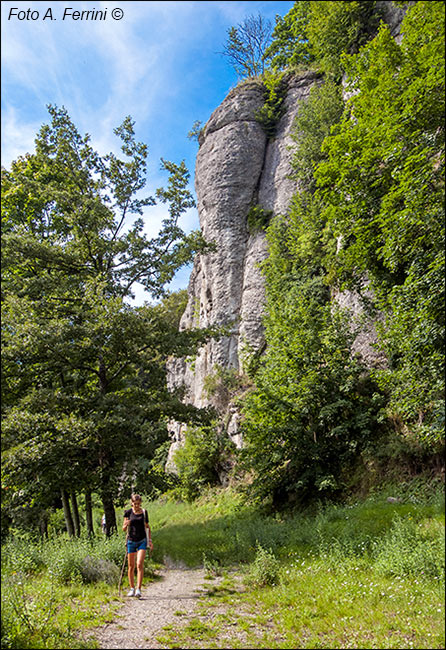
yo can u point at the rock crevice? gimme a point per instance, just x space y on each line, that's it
237 167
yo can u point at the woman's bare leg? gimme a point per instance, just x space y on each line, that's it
131 569
140 567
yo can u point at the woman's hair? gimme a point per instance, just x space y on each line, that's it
135 497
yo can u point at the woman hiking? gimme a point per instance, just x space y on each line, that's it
136 523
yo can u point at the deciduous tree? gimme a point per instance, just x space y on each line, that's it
246 45
84 371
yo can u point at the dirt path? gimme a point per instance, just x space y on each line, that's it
140 621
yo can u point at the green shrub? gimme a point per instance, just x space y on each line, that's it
272 110
200 460
67 567
23 555
222 385
314 122
197 131
265 568
85 560
413 549
258 218
56 522
111 549
212 565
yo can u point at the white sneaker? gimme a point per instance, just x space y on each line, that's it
138 593
131 592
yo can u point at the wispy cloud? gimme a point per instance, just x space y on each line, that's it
101 70
104 70
18 138
159 64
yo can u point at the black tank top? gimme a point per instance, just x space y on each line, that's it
136 529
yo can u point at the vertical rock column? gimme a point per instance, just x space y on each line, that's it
275 191
227 174
237 167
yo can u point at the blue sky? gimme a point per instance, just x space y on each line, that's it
160 63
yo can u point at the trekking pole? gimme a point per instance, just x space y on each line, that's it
123 565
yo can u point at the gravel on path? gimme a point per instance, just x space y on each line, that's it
140 621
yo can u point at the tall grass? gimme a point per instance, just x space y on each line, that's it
367 574
66 559
229 533
54 589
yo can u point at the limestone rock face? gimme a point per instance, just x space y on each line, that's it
392 15
237 167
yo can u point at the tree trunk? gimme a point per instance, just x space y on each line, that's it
67 512
43 525
110 516
105 463
76 519
89 513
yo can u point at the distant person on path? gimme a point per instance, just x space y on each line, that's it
104 529
136 523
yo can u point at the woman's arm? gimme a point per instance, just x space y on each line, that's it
149 536
125 524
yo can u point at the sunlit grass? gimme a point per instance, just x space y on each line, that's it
316 605
39 612
364 575
368 574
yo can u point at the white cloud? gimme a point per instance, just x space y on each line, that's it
17 138
148 65
134 61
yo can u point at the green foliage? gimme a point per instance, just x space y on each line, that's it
222 384
313 407
172 307
211 566
382 187
368 217
318 33
337 27
289 46
196 131
313 124
158 480
200 460
258 218
412 548
272 110
24 555
83 372
265 568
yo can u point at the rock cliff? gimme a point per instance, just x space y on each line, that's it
237 167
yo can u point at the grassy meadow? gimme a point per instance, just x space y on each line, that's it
366 574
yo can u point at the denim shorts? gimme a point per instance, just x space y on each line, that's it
133 547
